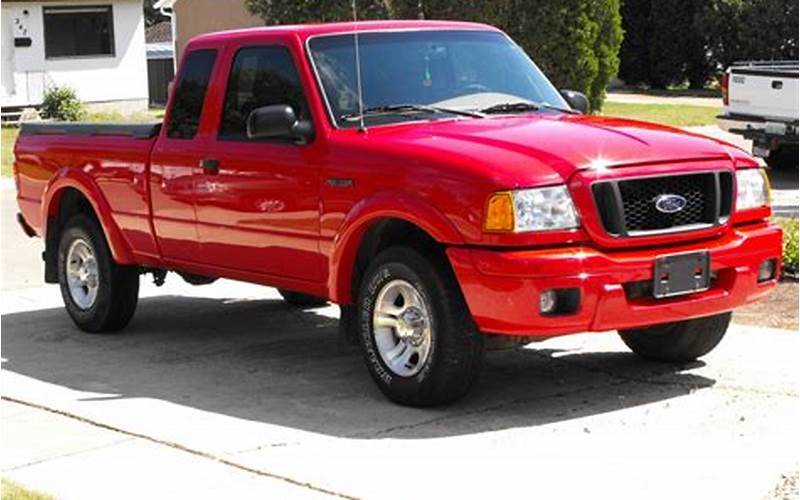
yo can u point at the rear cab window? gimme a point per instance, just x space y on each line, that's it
190 93
260 76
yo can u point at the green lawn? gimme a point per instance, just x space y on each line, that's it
13 491
9 136
678 115
144 116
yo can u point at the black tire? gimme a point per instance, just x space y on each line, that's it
118 286
785 157
301 299
680 341
455 359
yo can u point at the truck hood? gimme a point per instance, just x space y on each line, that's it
546 148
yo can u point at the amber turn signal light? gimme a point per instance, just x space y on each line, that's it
499 212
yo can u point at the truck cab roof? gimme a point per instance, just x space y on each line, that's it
305 31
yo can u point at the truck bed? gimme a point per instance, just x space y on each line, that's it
142 130
115 155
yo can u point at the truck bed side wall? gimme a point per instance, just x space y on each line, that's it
115 167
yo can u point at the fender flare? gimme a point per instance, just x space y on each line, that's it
82 182
384 205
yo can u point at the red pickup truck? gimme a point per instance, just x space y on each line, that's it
428 178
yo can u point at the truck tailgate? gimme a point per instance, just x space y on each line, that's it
768 92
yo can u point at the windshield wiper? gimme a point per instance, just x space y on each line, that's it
522 107
395 109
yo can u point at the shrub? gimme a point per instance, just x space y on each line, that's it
790 243
575 42
61 103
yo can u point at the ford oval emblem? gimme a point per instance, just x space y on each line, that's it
670 203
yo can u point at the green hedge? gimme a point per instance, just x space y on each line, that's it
575 42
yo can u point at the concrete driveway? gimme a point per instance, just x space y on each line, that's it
223 391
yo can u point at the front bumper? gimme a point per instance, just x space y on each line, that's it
502 287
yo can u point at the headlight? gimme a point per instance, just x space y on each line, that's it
752 188
540 209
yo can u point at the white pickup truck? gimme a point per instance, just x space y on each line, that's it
761 103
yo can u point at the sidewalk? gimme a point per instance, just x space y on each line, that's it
72 459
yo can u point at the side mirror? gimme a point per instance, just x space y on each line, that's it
576 100
278 122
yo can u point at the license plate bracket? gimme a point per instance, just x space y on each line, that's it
681 274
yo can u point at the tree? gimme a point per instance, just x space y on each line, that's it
151 15
754 29
306 11
634 54
671 35
673 41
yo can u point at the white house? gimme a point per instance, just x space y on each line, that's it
96 47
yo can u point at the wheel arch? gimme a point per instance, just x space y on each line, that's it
71 193
379 222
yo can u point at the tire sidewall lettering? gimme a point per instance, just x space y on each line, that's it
365 323
367 307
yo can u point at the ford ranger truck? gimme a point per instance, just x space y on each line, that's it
442 192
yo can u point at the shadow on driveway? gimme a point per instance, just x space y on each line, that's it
264 361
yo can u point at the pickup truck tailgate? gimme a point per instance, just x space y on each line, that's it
767 91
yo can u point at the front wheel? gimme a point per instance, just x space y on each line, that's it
99 295
417 336
680 341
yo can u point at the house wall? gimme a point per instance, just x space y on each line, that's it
122 77
196 17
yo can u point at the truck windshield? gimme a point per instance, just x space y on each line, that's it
428 74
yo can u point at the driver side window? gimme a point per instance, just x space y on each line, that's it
260 76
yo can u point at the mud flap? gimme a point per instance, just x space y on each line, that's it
348 334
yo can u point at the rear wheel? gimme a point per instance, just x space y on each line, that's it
301 299
99 295
679 341
417 336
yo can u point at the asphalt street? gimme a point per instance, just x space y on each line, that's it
224 391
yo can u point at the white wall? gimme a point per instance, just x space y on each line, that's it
95 79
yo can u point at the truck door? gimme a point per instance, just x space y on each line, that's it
175 164
258 209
